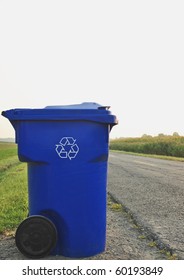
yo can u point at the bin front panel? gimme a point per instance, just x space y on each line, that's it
52 141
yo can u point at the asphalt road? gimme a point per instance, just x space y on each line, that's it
153 191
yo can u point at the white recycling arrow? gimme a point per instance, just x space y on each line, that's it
73 151
61 151
67 148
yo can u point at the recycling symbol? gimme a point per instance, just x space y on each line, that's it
67 148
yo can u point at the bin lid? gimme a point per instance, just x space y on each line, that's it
89 111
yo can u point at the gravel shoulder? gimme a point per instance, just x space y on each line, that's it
125 240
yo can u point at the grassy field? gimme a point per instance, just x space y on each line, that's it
172 146
13 188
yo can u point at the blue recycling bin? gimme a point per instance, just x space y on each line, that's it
66 148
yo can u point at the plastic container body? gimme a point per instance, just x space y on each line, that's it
67 177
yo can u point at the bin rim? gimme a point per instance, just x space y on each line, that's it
85 112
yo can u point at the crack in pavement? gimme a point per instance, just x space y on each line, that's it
146 230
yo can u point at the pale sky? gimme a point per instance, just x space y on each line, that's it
126 54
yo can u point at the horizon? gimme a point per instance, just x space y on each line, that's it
12 139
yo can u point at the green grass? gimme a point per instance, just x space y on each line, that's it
172 146
7 150
13 188
151 155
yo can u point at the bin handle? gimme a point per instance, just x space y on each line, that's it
104 107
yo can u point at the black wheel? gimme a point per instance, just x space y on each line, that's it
36 236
